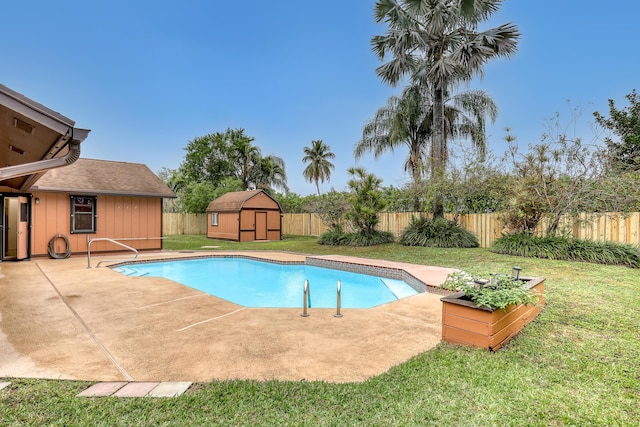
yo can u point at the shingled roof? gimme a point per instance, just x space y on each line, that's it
104 177
233 201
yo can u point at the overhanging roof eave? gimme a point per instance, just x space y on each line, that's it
35 111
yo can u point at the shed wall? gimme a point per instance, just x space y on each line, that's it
260 201
227 228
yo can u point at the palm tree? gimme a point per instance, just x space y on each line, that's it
407 120
269 173
436 42
366 200
403 120
319 167
244 155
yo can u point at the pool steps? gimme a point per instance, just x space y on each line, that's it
397 287
130 272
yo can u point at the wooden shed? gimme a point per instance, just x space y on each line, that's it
244 216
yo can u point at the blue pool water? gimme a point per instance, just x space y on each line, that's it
254 283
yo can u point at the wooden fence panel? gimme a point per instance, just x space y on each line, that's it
611 227
183 223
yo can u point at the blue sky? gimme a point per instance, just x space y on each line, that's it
148 77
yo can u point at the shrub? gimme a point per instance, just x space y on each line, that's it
333 237
337 237
569 249
438 233
361 238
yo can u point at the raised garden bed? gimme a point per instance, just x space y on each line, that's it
463 322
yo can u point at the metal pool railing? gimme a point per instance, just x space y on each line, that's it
106 239
306 296
307 300
338 302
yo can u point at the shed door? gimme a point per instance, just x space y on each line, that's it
23 228
261 226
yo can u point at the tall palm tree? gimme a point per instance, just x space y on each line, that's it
244 155
404 120
407 120
438 42
319 167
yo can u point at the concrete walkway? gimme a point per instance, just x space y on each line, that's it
62 320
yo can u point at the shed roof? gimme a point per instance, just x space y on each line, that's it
234 201
104 177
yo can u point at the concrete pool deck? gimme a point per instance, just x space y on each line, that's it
62 320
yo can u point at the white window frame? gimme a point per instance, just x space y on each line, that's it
214 219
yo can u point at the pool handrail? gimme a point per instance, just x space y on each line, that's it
306 303
338 302
90 241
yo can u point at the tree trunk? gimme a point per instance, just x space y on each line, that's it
417 182
437 148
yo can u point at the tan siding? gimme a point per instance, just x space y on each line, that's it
273 221
118 218
247 225
260 200
227 227
247 236
247 220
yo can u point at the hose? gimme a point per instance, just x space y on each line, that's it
61 255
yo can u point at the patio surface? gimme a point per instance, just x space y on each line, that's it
62 320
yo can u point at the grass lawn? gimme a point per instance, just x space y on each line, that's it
578 363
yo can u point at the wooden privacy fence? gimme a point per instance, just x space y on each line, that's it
485 226
183 223
612 227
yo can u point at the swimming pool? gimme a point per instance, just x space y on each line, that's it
253 283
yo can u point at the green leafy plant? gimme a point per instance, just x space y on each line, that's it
498 293
375 237
334 236
571 249
438 233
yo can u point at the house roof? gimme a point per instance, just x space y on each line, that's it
33 139
89 176
233 201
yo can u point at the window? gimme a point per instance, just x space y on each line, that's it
83 214
214 219
24 212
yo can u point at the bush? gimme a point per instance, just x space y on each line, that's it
569 249
361 238
438 233
337 237
333 237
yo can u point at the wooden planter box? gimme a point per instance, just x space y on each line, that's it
465 323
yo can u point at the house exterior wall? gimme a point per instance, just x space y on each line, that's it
227 228
118 217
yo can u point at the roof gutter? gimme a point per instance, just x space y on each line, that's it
72 139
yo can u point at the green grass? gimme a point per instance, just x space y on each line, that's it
576 364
